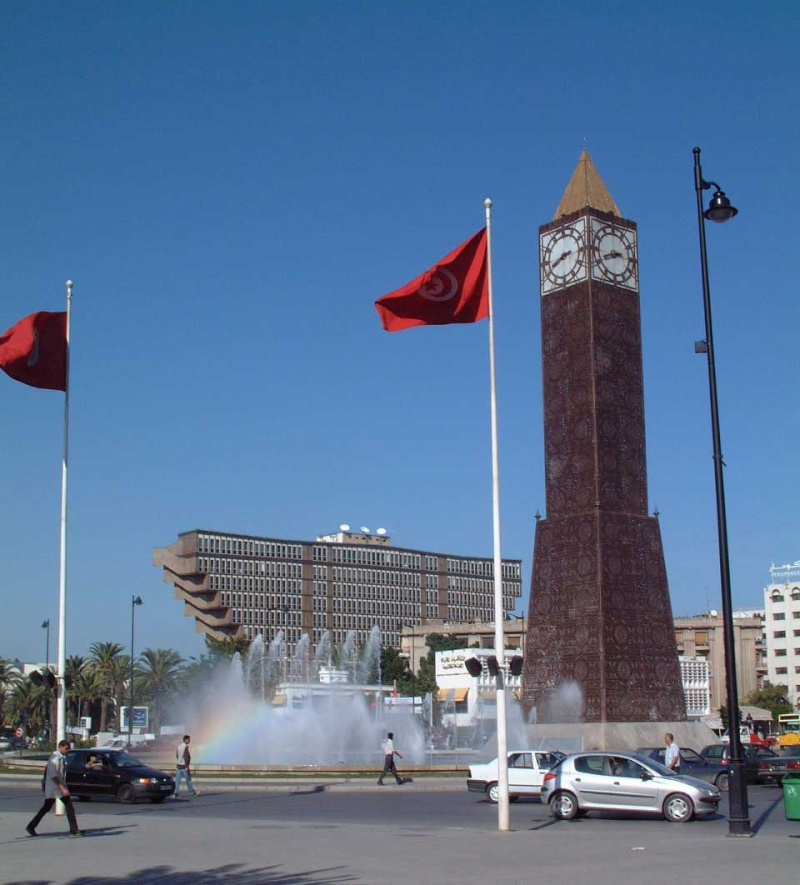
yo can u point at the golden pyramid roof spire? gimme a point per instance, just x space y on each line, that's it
586 189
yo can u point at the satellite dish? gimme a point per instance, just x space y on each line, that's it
365 529
344 527
381 532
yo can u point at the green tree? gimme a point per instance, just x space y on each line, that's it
104 659
86 691
394 668
771 697
9 678
26 705
158 672
227 647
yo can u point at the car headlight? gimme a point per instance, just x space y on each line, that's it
147 780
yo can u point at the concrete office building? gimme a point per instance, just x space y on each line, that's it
782 629
243 585
702 638
699 644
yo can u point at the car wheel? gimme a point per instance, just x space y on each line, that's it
678 808
493 793
564 806
722 783
126 794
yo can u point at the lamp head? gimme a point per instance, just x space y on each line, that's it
45 624
719 208
137 600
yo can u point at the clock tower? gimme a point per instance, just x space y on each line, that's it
599 612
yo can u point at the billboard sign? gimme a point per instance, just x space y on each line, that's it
140 718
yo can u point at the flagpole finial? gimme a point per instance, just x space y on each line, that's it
487 203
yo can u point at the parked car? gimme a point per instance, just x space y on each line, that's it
610 781
526 770
693 764
116 774
5 743
760 765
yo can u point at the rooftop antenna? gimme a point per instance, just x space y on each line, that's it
344 527
380 532
365 529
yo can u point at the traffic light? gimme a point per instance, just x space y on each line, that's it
36 678
473 666
50 678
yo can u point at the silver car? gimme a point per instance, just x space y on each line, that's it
610 781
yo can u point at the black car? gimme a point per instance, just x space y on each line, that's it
760 764
116 774
693 764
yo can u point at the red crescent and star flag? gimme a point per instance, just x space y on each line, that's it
455 290
34 351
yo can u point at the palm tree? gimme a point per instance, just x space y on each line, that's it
158 675
26 705
9 677
104 659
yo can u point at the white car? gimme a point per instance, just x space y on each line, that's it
526 771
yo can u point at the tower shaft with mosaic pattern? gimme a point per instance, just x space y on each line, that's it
599 611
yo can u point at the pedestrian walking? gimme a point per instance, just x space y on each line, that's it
183 769
672 753
389 753
55 787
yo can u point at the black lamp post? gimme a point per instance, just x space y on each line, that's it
135 600
46 626
720 210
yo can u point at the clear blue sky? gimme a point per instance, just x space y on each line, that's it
231 186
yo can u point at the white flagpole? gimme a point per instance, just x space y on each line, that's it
499 614
62 583
61 715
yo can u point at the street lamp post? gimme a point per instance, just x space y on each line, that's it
720 210
135 600
46 626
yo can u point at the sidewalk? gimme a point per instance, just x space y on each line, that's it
227 838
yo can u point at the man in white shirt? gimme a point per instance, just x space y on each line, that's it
182 769
672 754
388 762
55 787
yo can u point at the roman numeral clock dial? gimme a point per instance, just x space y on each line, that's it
562 256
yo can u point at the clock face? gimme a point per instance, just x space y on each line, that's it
614 258
562 256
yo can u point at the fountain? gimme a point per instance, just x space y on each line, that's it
321 707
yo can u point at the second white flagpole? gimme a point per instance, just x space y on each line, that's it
499 614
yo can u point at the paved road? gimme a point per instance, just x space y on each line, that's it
312 834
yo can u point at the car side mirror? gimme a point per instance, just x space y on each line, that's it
646 776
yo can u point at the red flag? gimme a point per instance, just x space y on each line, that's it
35 351
456 290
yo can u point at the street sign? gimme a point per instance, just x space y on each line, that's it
140 717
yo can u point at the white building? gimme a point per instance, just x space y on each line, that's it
470 700
782 628
696 679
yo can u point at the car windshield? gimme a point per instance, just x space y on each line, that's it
123 760
656 766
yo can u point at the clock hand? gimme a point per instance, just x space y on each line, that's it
613 254
561 258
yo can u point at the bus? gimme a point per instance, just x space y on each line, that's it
789 726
